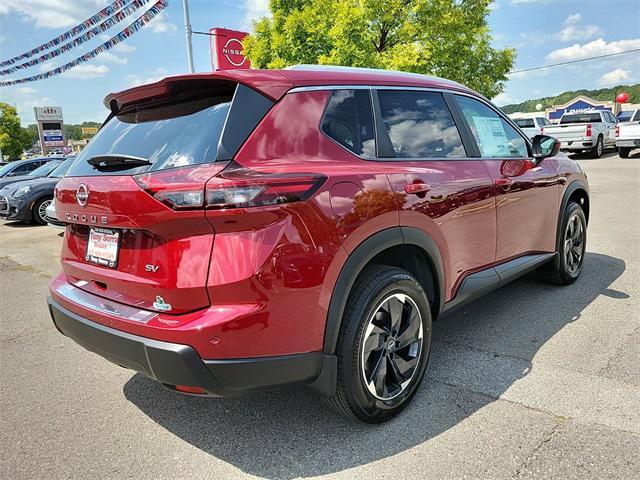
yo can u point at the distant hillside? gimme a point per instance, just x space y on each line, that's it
600 94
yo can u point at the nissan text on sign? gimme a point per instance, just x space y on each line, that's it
227 51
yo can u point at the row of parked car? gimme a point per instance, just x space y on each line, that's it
26 189
589 131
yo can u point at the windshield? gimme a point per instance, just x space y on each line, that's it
62 168
174 135
6 169
581 118
46 169
525 122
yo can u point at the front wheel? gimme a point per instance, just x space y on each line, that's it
40 210
566 269
383 345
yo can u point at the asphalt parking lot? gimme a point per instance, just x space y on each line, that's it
533 381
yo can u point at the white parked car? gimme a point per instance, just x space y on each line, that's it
586 131
52 220
628 135
531 126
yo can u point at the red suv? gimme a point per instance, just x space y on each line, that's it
247 230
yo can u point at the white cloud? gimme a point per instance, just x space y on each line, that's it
25 90
574 30
503 99
157 74
591 49
54 14
86 72
255 10
614 77
113 58
161 25
123 47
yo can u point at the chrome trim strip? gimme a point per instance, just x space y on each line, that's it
104 306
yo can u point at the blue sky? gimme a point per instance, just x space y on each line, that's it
542 31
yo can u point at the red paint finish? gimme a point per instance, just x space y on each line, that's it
257 281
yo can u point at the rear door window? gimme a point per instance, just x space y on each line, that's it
348 119
419 125
495 137
525 122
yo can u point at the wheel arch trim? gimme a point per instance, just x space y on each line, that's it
361 256
570 190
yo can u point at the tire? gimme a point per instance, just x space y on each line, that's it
596 152
565 270
379 291
38 211
624 152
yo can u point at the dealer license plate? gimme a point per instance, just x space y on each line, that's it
103 246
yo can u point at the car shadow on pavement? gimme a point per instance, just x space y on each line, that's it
288 434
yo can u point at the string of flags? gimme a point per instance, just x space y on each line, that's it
106 25
81 27
108 45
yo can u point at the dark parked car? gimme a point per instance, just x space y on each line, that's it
23 167
44 169
28 200
250 229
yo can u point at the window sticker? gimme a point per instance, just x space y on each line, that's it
491 136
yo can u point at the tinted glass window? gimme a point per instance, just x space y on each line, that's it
24 168
543 122
419 125
45 169
493 134
636 117
581 118
524 122
349 121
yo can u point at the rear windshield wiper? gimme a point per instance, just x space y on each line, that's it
117 161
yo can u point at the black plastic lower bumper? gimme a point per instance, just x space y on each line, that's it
176 364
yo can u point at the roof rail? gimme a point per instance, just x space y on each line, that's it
341 68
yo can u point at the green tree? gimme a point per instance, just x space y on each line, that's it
447 38
13 138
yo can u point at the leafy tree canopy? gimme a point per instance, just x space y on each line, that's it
13 138
446 38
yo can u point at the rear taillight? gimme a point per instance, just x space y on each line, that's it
617 130
238 187
588 134
541 130
214 187
179 188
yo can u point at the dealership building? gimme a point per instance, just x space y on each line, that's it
581 103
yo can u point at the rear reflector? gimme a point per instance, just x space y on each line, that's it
192 390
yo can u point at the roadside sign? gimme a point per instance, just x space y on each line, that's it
227 51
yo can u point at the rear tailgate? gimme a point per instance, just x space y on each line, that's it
565 133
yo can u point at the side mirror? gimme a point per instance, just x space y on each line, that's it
545 146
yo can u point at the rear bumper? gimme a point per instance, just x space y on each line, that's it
628 143
175 364
573 145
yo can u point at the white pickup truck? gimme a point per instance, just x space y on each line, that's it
628 135
531 126
589 131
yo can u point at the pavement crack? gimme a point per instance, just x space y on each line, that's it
536 450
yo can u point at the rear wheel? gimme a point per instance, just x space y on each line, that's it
624 152
383 346
596 152
566 269
40 210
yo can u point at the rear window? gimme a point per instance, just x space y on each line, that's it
581 118
525 122
181 133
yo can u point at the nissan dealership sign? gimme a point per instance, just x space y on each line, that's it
50 128
227 51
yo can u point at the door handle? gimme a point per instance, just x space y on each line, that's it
417 188
503 182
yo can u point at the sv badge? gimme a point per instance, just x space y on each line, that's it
151 268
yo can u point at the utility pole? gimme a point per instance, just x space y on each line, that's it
187 33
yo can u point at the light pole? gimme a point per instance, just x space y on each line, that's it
187 33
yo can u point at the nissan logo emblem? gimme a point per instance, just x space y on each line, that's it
82 195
